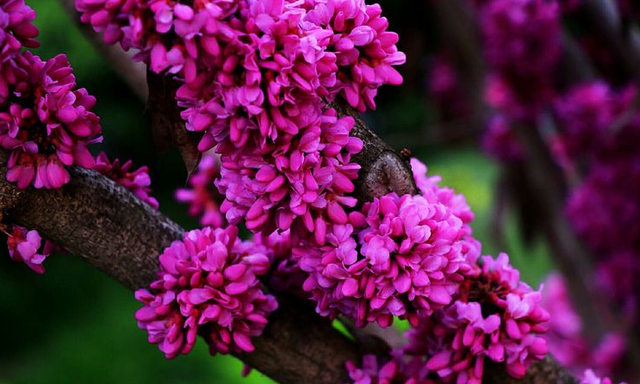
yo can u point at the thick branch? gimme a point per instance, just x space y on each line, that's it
96 218
117 233
114 231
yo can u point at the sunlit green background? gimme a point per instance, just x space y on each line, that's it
75 325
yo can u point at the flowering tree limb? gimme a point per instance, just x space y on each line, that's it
114 231
111 229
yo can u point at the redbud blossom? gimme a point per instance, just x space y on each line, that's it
207 282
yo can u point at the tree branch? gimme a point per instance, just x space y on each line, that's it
114 231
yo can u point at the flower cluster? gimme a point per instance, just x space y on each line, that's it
305 177
608 195
256 76
46 123
137 181
16 32
208 282
499 141
565 337
494 317
374 371
445 88
300 45
365 51
521 41
586 113
202 196
401 256
25 245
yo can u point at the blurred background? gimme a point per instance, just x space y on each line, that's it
76 325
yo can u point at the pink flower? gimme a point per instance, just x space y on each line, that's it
365 50
375 372
136 181
494 316
24 246
285 274
208 282
499 141
591 378
301 180
45 124
16 30
565 337
408 259
522 43
585 115
608 195
202 196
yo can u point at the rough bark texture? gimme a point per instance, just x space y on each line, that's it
101 221
383 170
298 346
547 371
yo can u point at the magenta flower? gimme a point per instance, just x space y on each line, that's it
494 316
285 274
303 180
565 337
499 141
136 181
24 246
408 258
585 115
365 50
202 196
522 43
371 372
591 378
375 371
608 195
16 31
45 124
208 282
